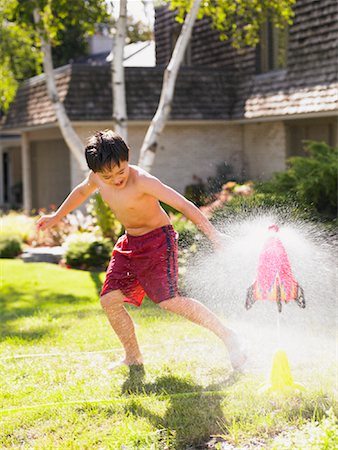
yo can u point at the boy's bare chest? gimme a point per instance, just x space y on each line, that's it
122 202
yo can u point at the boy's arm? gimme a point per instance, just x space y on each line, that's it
166 194
78 195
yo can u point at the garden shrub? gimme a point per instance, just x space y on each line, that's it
188 233
196 192
87 251
310 181
10 246
201 192
104 218
259 203
18 224
22 225
75 222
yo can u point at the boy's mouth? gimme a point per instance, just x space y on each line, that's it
120 183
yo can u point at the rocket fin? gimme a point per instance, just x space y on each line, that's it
300 300
250 299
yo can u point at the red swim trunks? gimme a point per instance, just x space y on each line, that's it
145 264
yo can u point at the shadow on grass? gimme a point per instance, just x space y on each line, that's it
95 276
194 411
16 304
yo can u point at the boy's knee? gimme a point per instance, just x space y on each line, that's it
167 304
112 299
163 304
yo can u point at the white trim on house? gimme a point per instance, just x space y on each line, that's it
26 173
108 124
314 115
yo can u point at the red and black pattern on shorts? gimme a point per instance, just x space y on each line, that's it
146 264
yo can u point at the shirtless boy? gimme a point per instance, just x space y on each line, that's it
144 259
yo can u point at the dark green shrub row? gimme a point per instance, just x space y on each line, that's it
311 181
307 190
88 255
10 246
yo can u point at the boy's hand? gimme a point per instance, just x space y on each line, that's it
47 221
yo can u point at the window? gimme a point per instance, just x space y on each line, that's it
187 55
272 50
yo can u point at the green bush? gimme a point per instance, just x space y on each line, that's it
187 231
18 224
10 246
24 226
196 193
104 218
85 251
201 192
259 203
309 181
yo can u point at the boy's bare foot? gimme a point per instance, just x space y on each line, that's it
237 355
125 362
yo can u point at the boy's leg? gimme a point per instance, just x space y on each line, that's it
123 325
196 312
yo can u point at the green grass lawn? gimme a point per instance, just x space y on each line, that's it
57 393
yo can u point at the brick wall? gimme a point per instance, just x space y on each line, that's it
264 149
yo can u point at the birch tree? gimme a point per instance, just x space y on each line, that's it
150 143
44 19
238 20
119 103
72 139
119 106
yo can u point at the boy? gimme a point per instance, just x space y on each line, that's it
144 259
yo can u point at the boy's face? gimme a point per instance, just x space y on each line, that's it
116 176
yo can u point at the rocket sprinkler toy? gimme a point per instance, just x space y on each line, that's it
275 282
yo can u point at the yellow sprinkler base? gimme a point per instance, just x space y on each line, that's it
280 377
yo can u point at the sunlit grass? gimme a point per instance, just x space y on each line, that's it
57 392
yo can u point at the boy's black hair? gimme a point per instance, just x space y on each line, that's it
104 150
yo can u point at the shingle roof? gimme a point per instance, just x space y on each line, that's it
310 82
308 85
86 92
229 90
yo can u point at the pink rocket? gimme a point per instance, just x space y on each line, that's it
275 281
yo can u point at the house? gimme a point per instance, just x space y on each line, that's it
250 108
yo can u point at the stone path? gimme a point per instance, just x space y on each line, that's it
43 254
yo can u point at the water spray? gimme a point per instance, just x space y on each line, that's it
275 282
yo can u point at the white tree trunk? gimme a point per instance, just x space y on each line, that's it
70 136
119 106
148 149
